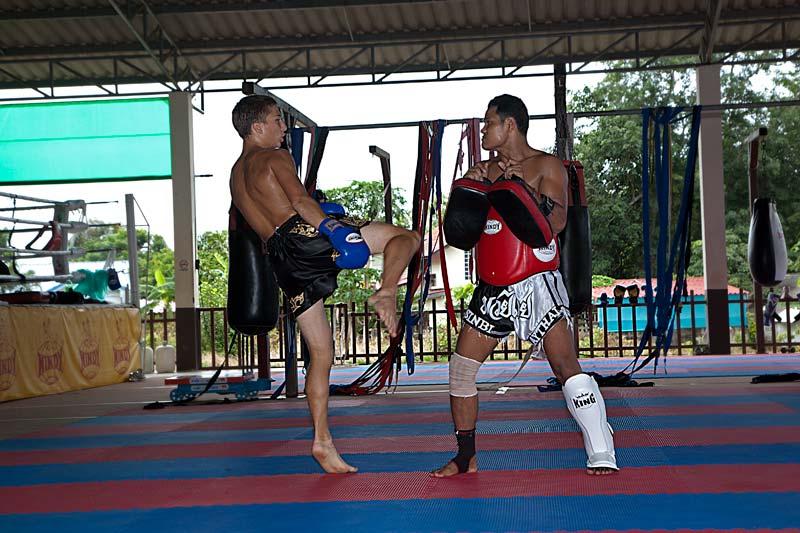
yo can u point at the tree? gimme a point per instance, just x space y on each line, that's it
736 250
161 292
610 149
212 253
364 199
154 255
212 278
464 292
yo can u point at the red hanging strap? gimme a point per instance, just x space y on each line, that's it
474 141
451 310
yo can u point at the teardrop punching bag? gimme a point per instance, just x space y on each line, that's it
766 247
252 287
576 242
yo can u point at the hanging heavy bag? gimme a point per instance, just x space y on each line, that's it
576 242
766 248
252 287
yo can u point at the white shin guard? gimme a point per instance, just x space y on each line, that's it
587 407
463 372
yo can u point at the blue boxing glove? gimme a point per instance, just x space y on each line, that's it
353 251
332 208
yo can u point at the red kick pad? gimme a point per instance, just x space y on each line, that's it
514 201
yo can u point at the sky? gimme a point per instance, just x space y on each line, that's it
346 157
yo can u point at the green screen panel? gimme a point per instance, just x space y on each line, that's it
100 140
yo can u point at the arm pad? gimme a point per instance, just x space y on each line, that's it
465 216
514 201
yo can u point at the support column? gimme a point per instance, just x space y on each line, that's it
564 120
187 317
712 209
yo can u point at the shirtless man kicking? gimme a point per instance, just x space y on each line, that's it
520 288
308 244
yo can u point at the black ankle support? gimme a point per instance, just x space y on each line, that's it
466 449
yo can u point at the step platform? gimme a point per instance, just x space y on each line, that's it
244 386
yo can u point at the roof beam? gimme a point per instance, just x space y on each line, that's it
470 59
531 60
405 62
341 65
227 46
248 87
143 39
302 72
710 30
752 39
23 83
199 8
79 75
599 55
670 49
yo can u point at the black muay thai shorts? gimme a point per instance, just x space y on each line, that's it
305 262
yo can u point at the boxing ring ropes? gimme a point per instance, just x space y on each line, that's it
57 247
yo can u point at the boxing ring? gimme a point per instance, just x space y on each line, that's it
696 454
66 338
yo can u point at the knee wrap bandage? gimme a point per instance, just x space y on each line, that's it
463 372
587 407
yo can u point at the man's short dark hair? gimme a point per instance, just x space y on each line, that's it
249 110
511 106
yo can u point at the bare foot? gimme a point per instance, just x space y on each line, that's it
450 469
385 304
600 471
329 459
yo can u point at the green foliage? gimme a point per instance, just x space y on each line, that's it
161 292
212 252
599 280
794 265
464 292
356 286
610 149
736 249
154 255
364 199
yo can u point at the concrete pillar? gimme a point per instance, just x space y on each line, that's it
187 318
712 209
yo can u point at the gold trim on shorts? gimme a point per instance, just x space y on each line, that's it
296 301
304 229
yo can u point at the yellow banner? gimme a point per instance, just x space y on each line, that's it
46 349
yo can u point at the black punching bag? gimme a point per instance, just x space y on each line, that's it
575 242
252 287
766 247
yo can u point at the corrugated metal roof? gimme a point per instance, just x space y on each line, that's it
44 42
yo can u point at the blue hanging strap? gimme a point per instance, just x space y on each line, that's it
662 308
297 135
